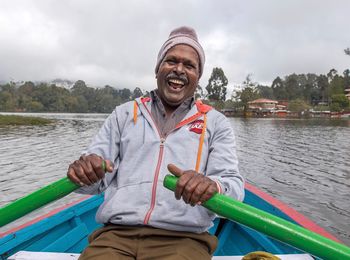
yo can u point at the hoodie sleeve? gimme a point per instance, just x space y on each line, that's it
222 164
106 144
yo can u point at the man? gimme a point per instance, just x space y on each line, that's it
139 143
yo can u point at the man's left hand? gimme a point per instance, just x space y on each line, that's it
193 187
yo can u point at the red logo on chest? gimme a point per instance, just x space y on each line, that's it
196 126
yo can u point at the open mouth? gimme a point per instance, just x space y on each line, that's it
176 84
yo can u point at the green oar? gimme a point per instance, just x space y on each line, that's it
271 225
35 200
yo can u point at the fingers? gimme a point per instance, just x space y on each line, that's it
175 170
182 184
192 187
86 163
109 166
73 177
77 172
198 189
88 169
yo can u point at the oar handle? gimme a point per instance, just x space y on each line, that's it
35 200
38 198
271 225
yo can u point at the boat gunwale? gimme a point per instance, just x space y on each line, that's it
291 213
44 216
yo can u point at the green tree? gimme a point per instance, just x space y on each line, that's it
105 100
80 89
337 85
35 106
265 91
125 94
298 105
278 89
310 88
346 75
137 93
341 100
292 87
323 87
79 85
83 105
7 101
331 74
335 107
27 88
199 93
248 94
216 87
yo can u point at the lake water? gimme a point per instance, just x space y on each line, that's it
303 163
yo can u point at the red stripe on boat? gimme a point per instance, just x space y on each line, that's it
37 219
293 214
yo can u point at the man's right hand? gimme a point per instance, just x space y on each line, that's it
88 169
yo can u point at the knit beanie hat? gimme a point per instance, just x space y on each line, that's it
182 35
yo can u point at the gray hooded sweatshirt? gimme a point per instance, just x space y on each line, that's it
134 192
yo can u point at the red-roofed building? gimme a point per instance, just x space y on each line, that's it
262 103
266 107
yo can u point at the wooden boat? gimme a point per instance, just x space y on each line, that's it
65 230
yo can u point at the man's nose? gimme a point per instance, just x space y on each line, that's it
179 68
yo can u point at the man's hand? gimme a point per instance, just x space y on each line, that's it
193 187
88 169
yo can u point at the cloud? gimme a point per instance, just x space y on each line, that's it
116 42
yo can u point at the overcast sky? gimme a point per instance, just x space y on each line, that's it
116 42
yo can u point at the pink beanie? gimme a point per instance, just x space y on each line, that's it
182 35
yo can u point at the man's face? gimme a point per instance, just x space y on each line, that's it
178 75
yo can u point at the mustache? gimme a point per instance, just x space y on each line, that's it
178 77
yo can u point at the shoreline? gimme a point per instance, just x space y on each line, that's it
17 120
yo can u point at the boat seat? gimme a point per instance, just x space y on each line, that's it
26 255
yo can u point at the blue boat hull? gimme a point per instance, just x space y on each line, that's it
68 230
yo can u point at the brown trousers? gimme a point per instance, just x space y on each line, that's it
129 242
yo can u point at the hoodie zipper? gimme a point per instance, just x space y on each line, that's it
156 173
159 163
155 182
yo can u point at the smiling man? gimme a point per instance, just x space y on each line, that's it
140 142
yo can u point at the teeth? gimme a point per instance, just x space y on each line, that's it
176 81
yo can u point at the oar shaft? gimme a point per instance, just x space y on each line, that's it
271 225
35 200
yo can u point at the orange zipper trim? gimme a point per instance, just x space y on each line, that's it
201 141
135 112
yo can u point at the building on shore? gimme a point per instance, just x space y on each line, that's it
347 93
263 107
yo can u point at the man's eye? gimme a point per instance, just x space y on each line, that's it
170 62
190 66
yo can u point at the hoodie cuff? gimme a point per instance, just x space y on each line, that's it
218 186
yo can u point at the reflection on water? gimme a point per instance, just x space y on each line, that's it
304 163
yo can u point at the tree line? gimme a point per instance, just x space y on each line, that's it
302 91
44 97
